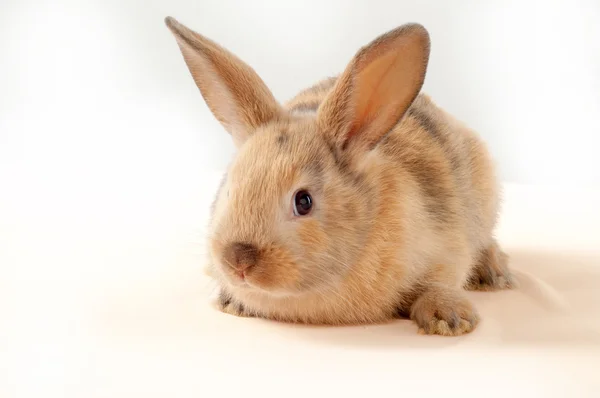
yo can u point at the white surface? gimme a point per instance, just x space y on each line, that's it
525 73
116 305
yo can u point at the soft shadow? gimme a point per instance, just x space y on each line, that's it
557 303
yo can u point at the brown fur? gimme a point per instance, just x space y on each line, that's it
309 100
491 271
405 196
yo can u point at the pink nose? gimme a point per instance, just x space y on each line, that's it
240 256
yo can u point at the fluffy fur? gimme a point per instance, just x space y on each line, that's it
405 196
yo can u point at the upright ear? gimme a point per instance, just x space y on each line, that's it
377 88
233 91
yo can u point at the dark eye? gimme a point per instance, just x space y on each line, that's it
302 203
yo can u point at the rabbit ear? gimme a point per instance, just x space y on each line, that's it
377 88
233 91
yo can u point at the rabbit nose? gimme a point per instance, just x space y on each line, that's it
240 256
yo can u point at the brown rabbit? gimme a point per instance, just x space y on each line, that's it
358 201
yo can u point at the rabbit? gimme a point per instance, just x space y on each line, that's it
356 202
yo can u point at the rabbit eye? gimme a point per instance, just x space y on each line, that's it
302 203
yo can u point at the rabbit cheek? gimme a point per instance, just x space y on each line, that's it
276 272
312 236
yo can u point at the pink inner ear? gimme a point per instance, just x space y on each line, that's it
375 87
387 79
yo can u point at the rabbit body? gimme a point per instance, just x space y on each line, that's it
357 201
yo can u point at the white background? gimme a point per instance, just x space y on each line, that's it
109 158
106 77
